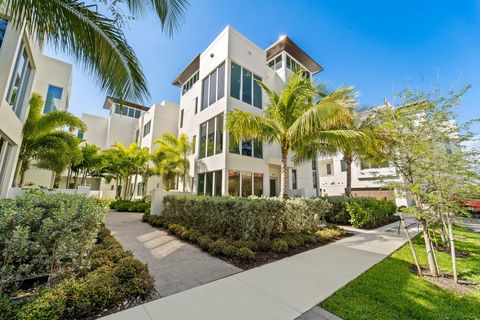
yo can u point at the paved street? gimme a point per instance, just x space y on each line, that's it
175 265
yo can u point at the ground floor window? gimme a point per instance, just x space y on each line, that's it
245 183
140 189
210 183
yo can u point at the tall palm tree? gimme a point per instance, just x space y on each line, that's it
172 155
44 136
94 40
292 117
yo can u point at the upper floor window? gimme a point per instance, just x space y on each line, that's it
373 164
54 96
249 148
189 83
294 179
181 117
3 30
295 66
276 63
244 86
314 174
343 165
211 137
147 127
329 168
80 134
127 111
213 86
17 89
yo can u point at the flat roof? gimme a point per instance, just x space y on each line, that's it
109 101
286 44
189 71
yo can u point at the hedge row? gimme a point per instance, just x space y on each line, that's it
130 205
361 212
46 235
246 250
115 277
244 218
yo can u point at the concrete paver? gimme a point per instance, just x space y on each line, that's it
175 265
285 289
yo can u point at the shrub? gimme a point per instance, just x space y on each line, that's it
218 246
244 218
108 286
280 246
330 232
252 245
194 235
204 242
41 232
130 206
369 212
338 212
230 251
8 309
246 254
264 245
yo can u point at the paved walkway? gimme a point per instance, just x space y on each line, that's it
285 289
175 265
471 223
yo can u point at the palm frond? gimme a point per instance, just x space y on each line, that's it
244 125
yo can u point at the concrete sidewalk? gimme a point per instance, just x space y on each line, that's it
284 289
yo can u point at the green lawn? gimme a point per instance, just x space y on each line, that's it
390 291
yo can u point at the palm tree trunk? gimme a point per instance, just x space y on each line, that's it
125 191
75 180
184 179
17 172
284 175
348 162
69 174
134 186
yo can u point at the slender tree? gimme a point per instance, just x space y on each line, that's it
44 135
291 118
172 155
93 39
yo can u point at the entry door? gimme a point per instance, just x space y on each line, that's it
273 187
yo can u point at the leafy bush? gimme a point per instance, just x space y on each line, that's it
246 254
130 206
218 247
46 234
330 232
369 212
204 242
338 212
120 278
244 218
280 246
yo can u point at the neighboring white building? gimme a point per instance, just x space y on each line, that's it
128 123
220 80
23 70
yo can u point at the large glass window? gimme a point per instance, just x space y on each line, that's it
234 183
210 90
243 86
3 30
54 96
127 111
211 137
203 140
210 183
17 89
258 184
235 81
246 184
250 148
147 127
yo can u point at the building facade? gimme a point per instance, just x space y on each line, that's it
222 79
23 70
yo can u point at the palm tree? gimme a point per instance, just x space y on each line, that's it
292 118
359 147
43 136
94 40
172 155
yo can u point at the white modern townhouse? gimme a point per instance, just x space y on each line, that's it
128 123
25 69
222 79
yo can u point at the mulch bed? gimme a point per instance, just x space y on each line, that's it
445 281
262 258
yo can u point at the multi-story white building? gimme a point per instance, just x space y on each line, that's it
128 123
222 79
23 70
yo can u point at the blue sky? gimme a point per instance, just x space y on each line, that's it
377 46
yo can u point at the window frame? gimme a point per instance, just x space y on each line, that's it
147 128
206 87
254 85
216 150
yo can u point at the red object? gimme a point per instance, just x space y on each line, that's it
472 203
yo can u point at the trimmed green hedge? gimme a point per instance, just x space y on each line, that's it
130 206
361 212
46 235
114 277
244 218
